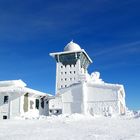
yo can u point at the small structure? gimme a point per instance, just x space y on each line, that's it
17 100
80 92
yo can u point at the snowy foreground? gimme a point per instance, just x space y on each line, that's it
75 127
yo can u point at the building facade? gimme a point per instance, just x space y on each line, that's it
18 100
80 92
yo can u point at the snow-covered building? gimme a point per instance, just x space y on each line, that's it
17 100
79 92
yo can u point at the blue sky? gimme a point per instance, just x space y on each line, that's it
109 31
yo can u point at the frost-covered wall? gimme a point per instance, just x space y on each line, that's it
89 98
4 108
34 105
73 100
55 106
101 99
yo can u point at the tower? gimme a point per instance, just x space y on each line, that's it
70 63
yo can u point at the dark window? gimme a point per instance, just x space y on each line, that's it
65 79
37 103
4 117
65 72
57 111
50 111
42 102
70 71
47 102
74 72
5 99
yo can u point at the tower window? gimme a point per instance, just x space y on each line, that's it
65 79
61 66
61 72
61 79
70 72
6 99
74 72
70 79
65 72
65 85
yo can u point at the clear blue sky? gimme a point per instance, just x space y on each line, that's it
109 31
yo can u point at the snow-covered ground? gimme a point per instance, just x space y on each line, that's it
75 127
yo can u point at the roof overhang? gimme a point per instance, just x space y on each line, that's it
67 52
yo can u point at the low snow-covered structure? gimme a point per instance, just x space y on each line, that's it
92 97
17 100
79 92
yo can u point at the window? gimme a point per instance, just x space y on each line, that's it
61 66
37 103
70 79
42 102
74 72
65 85
4 117
70 72
61 79
65 72
65 79
5 99
61 86
61 72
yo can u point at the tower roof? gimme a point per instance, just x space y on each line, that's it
72 47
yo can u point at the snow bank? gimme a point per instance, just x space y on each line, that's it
73 127
77 117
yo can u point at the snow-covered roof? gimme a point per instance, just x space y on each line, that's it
18 83
18 86
29 90
106 85
97 85
72 47
23 90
